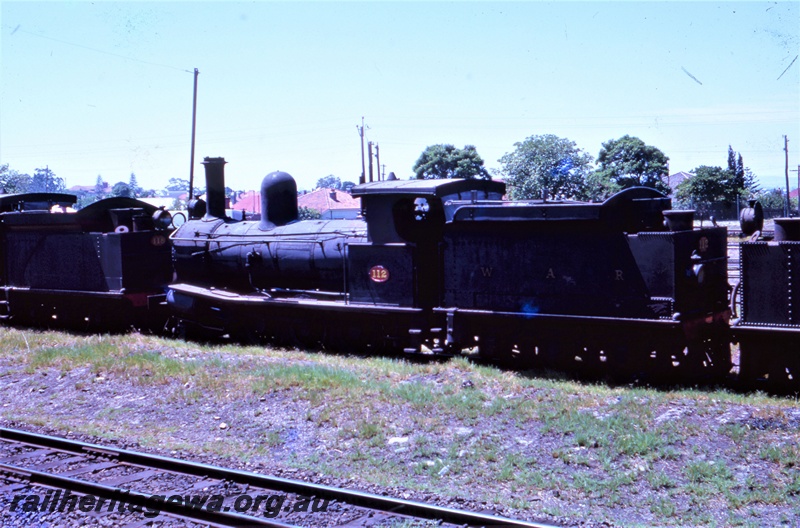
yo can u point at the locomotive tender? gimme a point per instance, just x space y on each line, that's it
448 265
102 268
768 329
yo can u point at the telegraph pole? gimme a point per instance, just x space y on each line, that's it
788 205
194 125
798 190
363 168
378 160
369 146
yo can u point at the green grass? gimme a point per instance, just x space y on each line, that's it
507 438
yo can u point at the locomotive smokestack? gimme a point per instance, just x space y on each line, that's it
215 187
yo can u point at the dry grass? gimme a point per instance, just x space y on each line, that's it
536 447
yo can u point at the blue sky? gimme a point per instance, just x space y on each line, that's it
105 88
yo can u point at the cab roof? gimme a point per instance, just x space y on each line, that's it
438 188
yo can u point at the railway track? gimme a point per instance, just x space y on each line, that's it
43 475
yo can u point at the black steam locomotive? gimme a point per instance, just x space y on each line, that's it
432 266
447 265
102 268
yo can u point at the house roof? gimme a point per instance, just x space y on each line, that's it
794 193
323 200
678 178
78 188
249 201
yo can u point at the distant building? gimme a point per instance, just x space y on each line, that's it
331 203
159 201
87 188
678 178
249 202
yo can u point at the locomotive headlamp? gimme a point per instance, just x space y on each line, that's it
162 219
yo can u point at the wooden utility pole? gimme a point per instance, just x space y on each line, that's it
194 126
369 147
363 168
788 205
798 190
378 160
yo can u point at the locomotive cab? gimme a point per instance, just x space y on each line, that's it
401 261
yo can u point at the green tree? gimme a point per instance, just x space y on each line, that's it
329 182
447 161
45 180
598 187
306 213
708 185
12 182
771 199
85 198
629 162
133 185
743 178
731 159
121 189
100 187
736 175
546 166
751 183
179 184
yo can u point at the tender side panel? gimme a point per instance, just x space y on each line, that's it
770 283
556 268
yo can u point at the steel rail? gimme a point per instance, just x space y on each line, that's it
141 500
355 498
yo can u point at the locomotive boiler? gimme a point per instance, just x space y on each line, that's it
275 252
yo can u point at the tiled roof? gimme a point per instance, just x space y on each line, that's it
78 188
321 200
324 200
678 178
249 201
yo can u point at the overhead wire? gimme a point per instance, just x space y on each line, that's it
18 30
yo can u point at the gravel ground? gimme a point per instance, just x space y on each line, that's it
505 443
